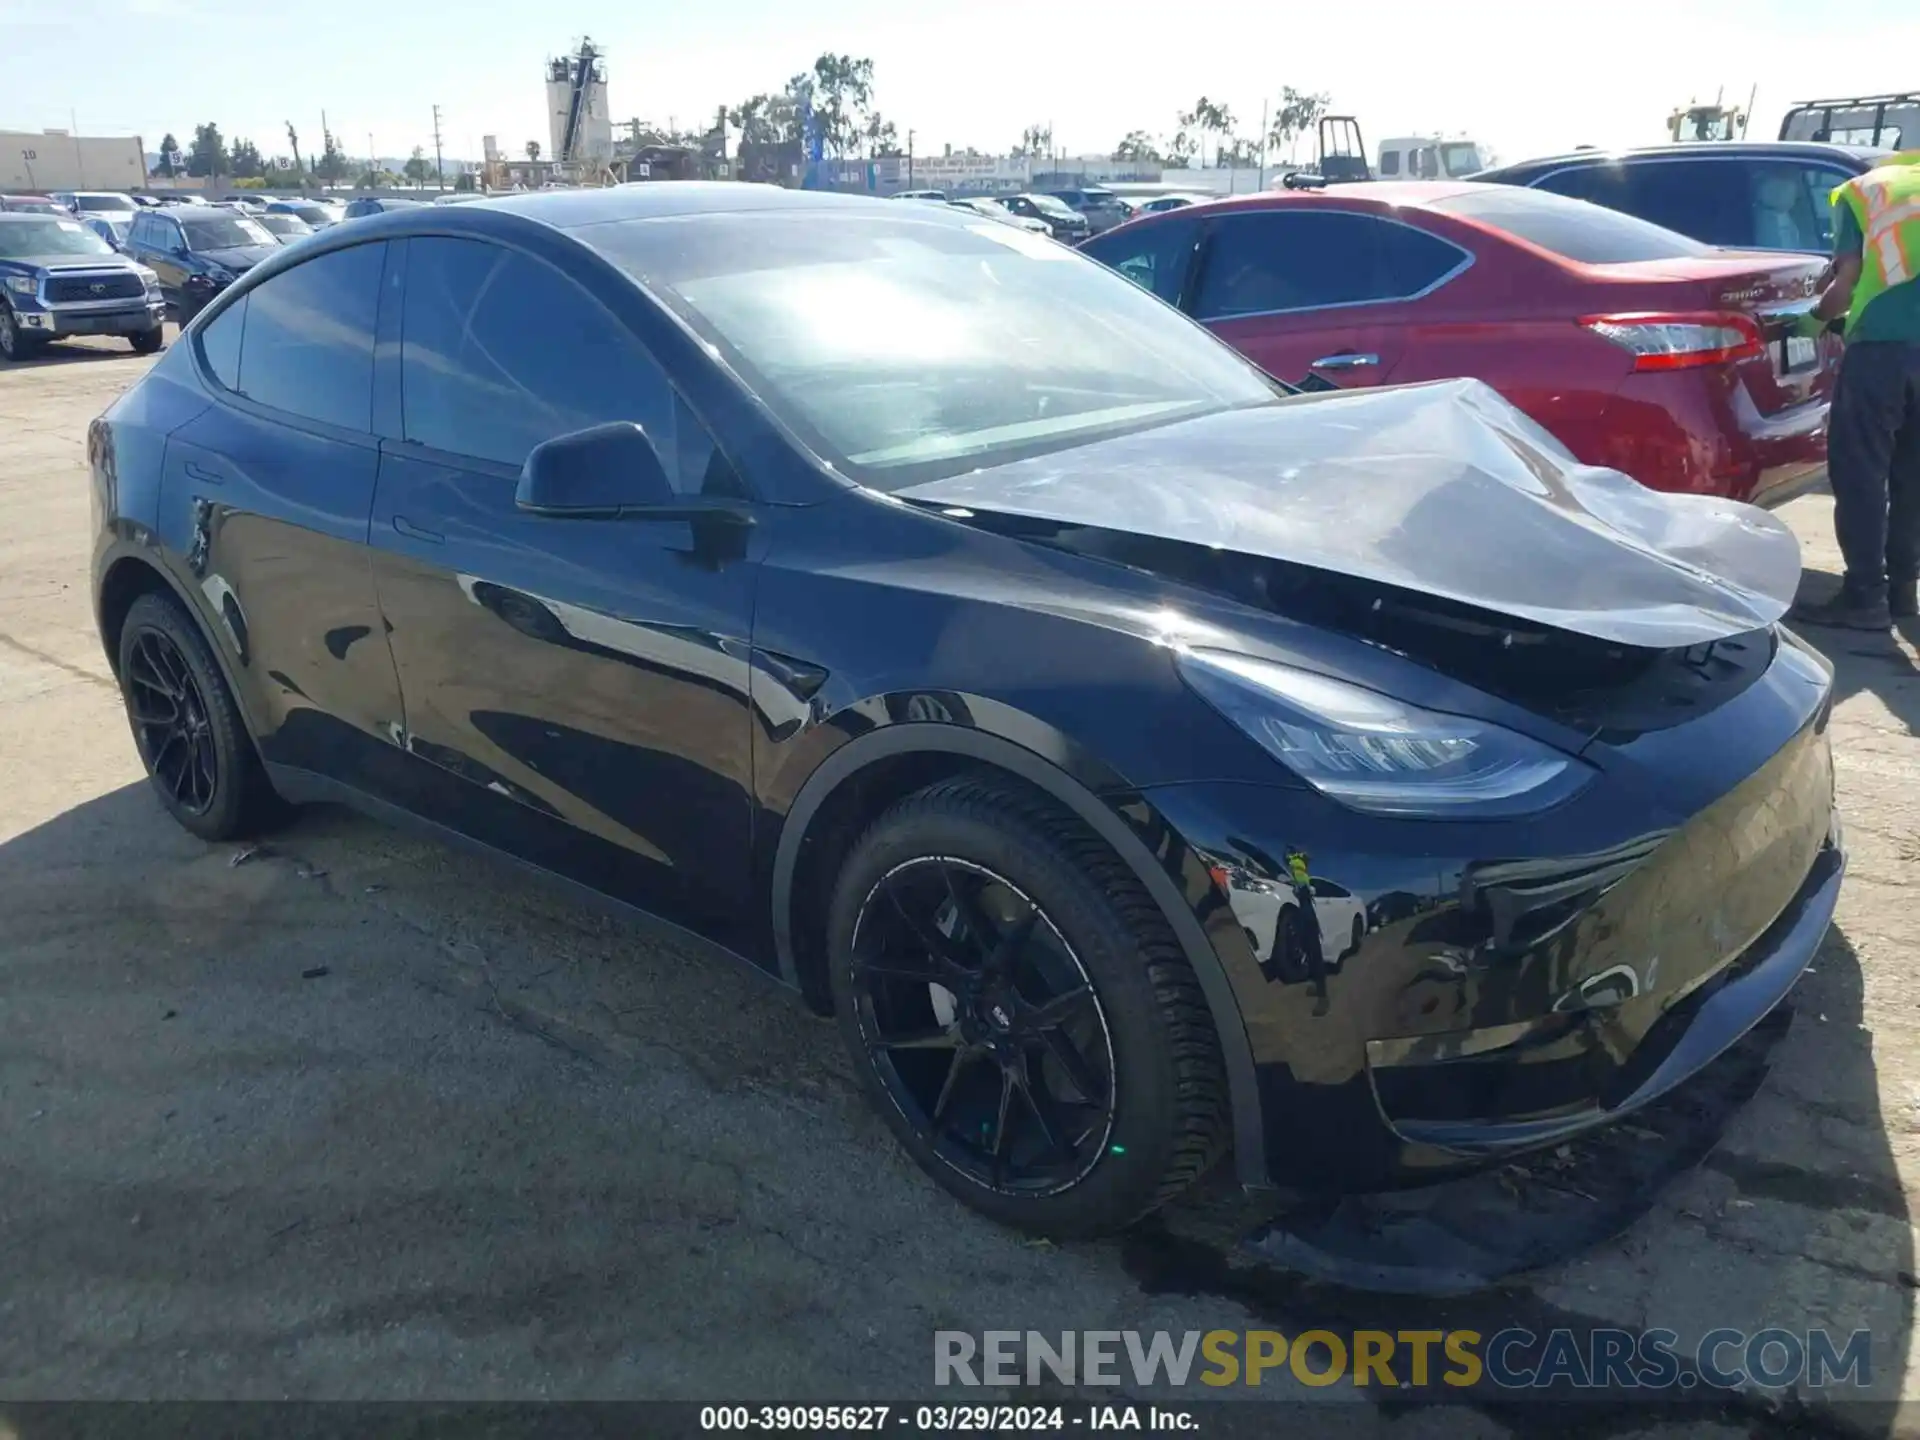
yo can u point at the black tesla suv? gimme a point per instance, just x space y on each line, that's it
1141 762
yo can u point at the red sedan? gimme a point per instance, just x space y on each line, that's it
1640 348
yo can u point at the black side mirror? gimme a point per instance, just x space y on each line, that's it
596 473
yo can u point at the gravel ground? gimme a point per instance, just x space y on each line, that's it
366 1118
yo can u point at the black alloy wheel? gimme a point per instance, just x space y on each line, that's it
1019 1012
170 723
984 1025
196 749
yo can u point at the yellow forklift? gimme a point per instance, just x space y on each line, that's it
1718 121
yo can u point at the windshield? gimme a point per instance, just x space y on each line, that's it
1051 205
1573 229
34 236
1460 159
905 349
32 207
312 214
116 226
283 224
105 202
222 232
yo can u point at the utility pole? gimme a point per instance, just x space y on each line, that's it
1263 144
373 157
439 173
909 159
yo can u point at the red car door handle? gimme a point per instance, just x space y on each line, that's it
1348 361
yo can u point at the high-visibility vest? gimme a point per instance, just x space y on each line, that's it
1886 203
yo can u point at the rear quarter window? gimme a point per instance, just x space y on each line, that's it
1572 229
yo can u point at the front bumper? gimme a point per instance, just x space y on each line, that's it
1442 995
89 317
1565 1074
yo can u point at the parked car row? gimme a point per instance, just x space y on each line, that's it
1674 360
945 625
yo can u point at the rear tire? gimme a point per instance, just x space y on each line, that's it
199 757
1066 1091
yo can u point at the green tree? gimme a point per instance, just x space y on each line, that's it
1299 111
1206 118
768 139
330 164
169 165
842 96
209 154
1139 148
1036 142
246 159
418 168
882 139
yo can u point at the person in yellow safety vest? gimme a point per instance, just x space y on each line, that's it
1873 427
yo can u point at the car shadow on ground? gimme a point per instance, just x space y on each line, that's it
263 1120
1886 665
65 352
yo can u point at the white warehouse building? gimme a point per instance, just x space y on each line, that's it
37 161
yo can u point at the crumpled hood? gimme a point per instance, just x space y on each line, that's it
1445 489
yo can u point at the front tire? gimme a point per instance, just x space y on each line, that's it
198 754
1018 1010
148 342
15 343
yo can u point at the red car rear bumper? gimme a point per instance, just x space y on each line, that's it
1699 431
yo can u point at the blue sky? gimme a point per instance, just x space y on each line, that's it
1525 78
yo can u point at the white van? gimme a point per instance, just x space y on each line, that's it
1428 157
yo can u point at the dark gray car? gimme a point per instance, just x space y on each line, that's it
1748 195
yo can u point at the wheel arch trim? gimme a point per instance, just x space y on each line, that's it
152 559
845 763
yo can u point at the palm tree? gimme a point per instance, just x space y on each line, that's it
533 151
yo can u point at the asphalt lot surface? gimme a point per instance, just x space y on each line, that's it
365 1117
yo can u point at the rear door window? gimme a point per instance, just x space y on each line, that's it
308 346
220 343
1155 257
1272 261
1410 262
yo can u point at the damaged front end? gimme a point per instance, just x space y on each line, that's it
1424 991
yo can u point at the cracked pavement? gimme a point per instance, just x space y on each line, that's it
367 1118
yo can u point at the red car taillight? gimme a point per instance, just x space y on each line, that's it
1660 341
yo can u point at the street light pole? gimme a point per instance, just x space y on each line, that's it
439 170
909 159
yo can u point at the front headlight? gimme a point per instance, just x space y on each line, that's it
1376 753
22 284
